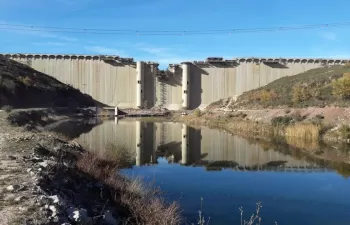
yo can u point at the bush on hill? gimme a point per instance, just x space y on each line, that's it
317 87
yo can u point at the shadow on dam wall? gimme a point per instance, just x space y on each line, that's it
196 86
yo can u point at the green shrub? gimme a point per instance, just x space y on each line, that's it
344 131
281 120
341 87
300 93
197 113
319 116
27 81
262 95
240 115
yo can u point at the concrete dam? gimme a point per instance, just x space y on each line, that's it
122 82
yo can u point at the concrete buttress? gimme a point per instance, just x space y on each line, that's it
185 85
140 83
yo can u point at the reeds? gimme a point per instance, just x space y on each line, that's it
303 131
142 202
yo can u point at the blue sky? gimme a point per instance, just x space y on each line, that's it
178 15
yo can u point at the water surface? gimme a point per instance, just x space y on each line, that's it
227 172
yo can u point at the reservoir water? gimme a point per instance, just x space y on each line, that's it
227 171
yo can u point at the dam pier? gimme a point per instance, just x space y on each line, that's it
126 84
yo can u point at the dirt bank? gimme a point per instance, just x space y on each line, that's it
47 179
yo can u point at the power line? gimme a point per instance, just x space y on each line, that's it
163 32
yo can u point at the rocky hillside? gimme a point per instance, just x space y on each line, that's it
23 87
314 88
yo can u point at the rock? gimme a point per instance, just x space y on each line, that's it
12 188
11 157
109 219
28 170
53 210
9 197
44 201
36 160
19 198
55 199
75 144
79 215
43 164
40 150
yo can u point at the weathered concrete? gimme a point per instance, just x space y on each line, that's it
121 82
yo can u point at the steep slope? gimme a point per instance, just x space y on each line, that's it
23 87
315 87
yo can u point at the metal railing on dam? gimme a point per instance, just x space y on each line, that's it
122 82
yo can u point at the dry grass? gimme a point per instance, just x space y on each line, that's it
302 144
303 131
118 154
153 211
142 202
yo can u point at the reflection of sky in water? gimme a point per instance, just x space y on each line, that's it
289 198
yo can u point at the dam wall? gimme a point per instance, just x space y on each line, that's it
122 82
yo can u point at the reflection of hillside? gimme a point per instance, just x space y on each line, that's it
291 149
73 128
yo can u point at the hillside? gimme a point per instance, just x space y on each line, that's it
314 88
23 87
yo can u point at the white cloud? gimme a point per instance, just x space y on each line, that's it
103 50
155 51
50 43
163 55
330 36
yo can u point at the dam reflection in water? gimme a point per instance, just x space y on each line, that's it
179 143
182 158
